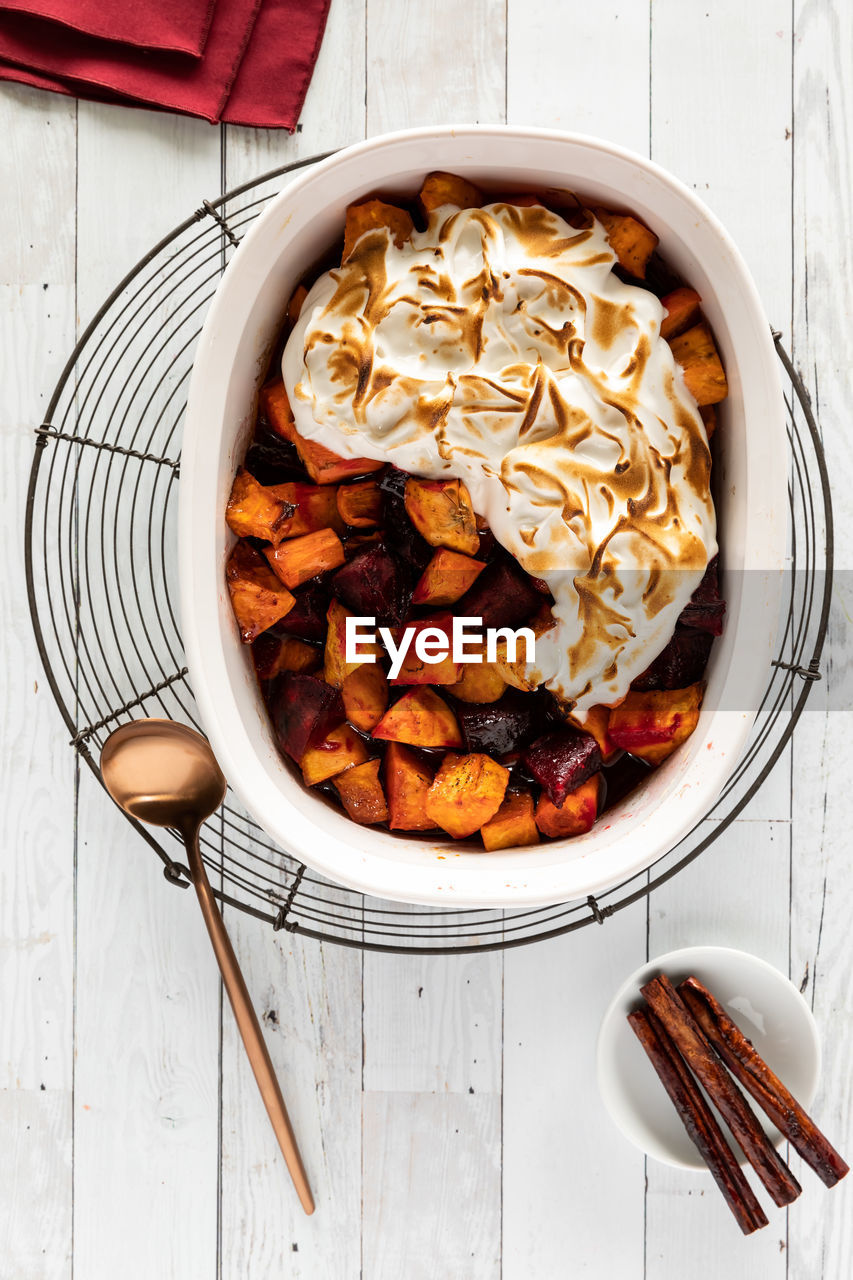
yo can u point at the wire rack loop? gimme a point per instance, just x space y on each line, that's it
102 589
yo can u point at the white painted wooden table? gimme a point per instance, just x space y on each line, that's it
446 1108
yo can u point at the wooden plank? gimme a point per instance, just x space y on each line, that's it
568 1173
146 1099
734 895
310 993
444 1218
580 67
821 1232
37 767
439 63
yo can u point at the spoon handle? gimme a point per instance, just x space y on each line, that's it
247 1023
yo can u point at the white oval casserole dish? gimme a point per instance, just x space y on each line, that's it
749 484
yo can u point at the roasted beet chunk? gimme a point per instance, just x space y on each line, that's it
304 710
561 761
504 727
682 662
372 585
409 546
272 460
307 618
707 608
503 596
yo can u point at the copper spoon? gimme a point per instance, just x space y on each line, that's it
165 773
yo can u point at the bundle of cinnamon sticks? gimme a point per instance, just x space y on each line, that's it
692 1042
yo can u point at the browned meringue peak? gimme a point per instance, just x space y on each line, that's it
498 346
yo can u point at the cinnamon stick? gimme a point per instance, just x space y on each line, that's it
746 1064
665 1001
698 1120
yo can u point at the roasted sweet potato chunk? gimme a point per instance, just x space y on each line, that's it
441 512
273 654
631 241
513 824
407 781
596 724
421 719
446 578
414 670
365 695
480 681
254 511
303 558
294 306
257 597
448 188
304 710
315 507
697 354
652 724
322 465
466 792
335 666
578 814
360 505
682 310
370 215
361 793
339 750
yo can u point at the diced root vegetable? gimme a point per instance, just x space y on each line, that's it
682 310
446 578
708 414
335 665
441 512
578 813
697 354
274 654
365 695
372 215
517 671
513 824
448 188
407 782
373 585
481 682
275 406
596 724
323 466
300 559
504 727
360 505
361 793
341 749
631 241
466 792
257 597
650 725
421 719
503 596
315 508
560 761
294 306
254 511
304 710
414 670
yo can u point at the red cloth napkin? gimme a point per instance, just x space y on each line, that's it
254 70
179 25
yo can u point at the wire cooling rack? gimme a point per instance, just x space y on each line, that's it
102 587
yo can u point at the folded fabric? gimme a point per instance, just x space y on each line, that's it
178 25
255 68
197 86
273 78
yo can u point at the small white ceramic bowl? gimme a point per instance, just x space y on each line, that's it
765 1005
750 478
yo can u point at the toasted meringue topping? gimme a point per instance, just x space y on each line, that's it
499 347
